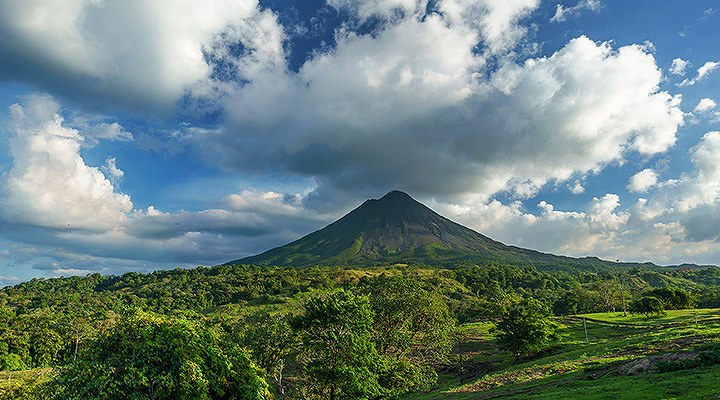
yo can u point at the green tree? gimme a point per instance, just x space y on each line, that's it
409 321
152 357
609 293
10 361
567 304
340 359
413 328
525 328
272 341
648 306
673 299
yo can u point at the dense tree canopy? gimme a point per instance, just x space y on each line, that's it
148 356
672 298
272 342
648 306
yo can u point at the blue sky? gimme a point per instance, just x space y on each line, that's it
137 135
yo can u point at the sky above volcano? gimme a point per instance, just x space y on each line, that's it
137 135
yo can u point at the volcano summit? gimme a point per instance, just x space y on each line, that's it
398 229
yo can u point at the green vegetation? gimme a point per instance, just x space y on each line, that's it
648 305
148 356
341 360
471 318
525 328
676 356
238 331
24 385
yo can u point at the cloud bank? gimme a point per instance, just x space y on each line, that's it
52 199
545 119
136 54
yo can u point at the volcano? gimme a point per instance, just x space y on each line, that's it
397 229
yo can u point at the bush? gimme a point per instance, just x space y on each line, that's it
704 358
11 362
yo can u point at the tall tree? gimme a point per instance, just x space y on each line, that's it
413 329
410 322
271 340
340 358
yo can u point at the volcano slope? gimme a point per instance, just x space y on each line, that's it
397 229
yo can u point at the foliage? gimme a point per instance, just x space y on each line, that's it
25 385
152 357
525 328
271 341
413 328
10 361
410 321
648 306
339 356
59 322
597 368
672 298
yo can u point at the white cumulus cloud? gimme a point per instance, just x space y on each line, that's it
679 66
704 105
546 119
643 180
702 73
134 53
50 185
64 216
577 188
562 13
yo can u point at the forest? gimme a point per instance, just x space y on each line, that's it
247 332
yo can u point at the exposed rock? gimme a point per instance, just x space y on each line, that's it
645 364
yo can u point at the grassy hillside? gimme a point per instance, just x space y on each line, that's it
623 357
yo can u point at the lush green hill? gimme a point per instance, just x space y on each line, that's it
676 356
397 229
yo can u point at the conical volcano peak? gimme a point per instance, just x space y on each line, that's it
394 207
396 195
395 198
393 229
398 229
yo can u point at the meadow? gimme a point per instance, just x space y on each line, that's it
618 359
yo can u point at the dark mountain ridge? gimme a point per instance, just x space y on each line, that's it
398 229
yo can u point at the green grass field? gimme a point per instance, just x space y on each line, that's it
617 361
